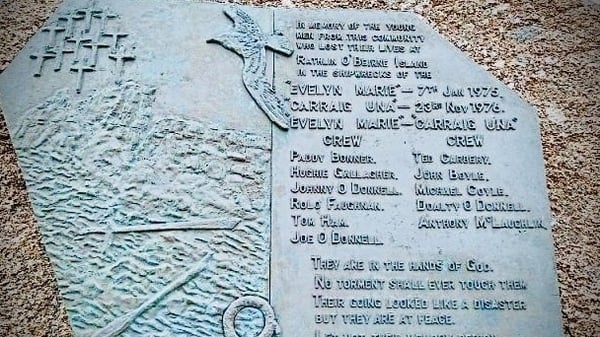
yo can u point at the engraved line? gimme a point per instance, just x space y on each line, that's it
205 224
119 325
271 171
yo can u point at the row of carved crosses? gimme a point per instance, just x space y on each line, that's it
64 37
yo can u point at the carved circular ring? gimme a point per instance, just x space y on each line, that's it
270 325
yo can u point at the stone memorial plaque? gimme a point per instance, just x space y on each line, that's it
215 170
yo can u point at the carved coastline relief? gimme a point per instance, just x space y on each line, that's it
81 41
248 41
404 200
155 224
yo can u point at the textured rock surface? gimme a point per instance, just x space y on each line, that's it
547 52
111 156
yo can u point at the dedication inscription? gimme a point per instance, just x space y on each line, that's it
408 196
215 170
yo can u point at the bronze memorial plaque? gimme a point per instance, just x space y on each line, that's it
220 170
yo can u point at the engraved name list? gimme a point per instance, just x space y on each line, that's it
400 205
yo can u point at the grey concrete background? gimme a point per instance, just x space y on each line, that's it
548 51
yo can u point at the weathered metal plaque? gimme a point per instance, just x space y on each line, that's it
214 170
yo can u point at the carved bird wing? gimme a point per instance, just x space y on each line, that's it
243 23
249 42
262 92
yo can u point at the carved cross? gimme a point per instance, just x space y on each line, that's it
41 57
53 30
104 17
78 41
94 45
115 37
60 50
88 13
120 57
70 19
81 68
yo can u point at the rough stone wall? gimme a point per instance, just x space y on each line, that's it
548 51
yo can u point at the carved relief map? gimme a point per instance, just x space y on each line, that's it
220 170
